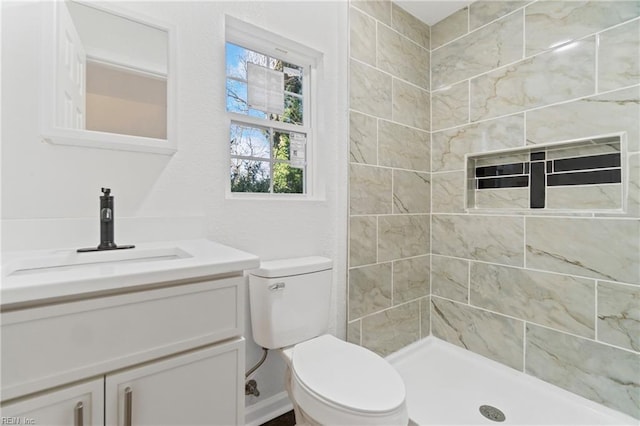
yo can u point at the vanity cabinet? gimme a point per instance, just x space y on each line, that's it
170 354
199 387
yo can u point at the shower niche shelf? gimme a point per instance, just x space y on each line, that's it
585 175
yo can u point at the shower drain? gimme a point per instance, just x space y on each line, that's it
492 413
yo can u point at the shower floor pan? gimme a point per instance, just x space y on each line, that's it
447 385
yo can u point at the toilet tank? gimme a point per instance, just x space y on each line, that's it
289 300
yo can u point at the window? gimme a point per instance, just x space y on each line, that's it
267 99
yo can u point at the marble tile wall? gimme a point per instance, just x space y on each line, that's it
390 180
556 296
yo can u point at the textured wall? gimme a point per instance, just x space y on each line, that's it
390 187
554 295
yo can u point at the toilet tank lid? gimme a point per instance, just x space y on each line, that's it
294 266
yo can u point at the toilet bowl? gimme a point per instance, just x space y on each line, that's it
339 383
329 381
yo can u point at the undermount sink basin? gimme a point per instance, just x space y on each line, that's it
45 276
69 260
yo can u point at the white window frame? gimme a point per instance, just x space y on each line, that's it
55 134
265 42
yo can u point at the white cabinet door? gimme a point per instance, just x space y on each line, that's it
202 387
78 405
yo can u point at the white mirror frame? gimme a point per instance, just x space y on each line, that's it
52 133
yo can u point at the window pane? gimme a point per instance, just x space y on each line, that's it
236 96
292 111
286 150
237 58
249 141
256 58
281 143
275 64
235 62
249 176
237 99
287 179
292 78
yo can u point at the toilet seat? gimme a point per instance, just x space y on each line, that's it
336 382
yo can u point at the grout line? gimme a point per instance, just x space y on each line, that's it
524 128
392 285
469 102
389 120
387 73
430 317
469 282
393 191
389 167
377 43
524 347
392 307
511 317
524 242
596 71
377 239
578 214
420 318
407 38
498 117
468 20
526 58
480 308
430 95
471 31
524 34
530 269
348 279
566 101
595 313
377 141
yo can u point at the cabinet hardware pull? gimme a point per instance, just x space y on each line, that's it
78 415
128 405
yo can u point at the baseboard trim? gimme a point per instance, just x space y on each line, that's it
270 408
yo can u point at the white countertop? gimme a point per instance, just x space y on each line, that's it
32 276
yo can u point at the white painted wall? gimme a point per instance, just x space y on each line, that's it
50 192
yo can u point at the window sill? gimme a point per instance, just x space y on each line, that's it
110 141
251 196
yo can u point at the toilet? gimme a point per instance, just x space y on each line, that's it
329 381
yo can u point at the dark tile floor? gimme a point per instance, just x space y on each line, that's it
287 419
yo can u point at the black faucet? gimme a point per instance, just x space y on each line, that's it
106 221
106 225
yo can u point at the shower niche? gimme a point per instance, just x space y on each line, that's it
585 175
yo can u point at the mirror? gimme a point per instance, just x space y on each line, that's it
112 80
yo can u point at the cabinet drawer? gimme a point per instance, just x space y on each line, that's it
58 344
